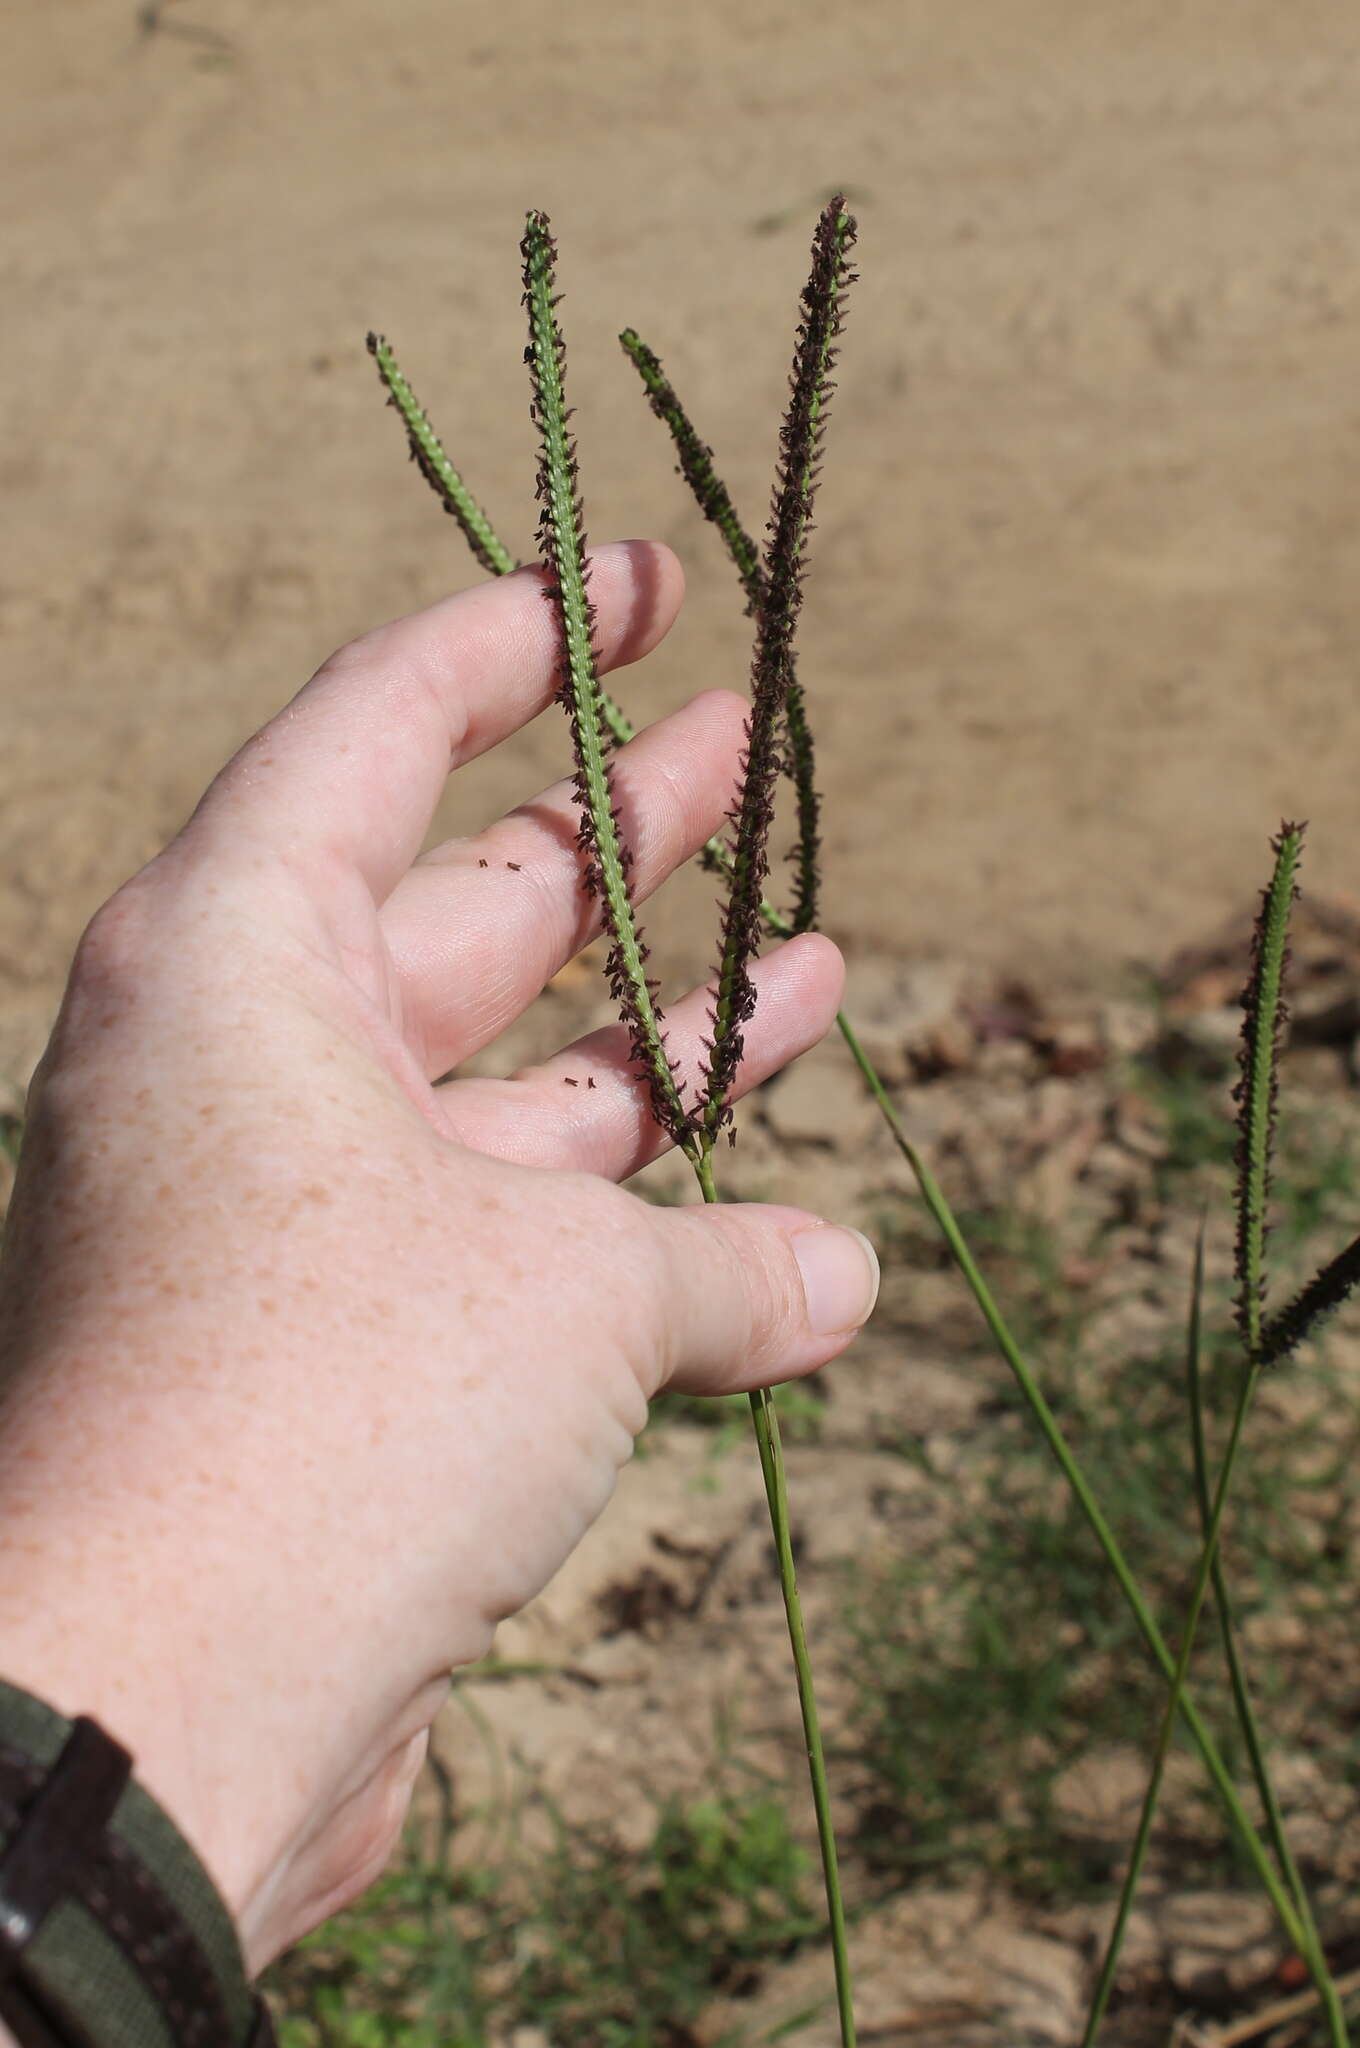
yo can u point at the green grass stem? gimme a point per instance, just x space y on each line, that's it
765 1421
1313 1953
1174 1699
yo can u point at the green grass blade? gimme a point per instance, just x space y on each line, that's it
439 473
1209 1555
1312 1950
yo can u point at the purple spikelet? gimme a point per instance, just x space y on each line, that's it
785 553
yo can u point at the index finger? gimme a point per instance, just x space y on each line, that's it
349 774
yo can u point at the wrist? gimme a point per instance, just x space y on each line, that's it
69 1642
288 1788
110 1928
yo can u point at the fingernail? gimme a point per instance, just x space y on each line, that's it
840 1278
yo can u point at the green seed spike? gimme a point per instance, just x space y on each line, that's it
715 502
1263 1018
1301 1317
791 518
564 555
800 767
696 467
434 465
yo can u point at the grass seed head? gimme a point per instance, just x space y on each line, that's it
800 441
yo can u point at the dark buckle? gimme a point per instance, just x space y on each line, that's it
59 1835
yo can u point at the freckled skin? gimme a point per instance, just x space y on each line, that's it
268 1347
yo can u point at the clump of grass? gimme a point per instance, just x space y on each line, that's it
1264 1018
778 739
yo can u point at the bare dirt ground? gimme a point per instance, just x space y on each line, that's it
1086 595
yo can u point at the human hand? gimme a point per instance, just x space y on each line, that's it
312 1371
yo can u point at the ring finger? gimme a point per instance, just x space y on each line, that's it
588 1110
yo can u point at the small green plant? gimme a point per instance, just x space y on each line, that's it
1263 1343
581 1938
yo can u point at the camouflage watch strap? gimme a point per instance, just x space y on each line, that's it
112 1935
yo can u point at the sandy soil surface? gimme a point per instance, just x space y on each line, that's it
1083 617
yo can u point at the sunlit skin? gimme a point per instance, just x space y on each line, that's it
313 1370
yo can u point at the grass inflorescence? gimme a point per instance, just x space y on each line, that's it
607 859
1300 1318
1264 1016
429 457
695 463
800 444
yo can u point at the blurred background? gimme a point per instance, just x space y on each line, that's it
1081 627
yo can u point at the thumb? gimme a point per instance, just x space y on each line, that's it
752 1294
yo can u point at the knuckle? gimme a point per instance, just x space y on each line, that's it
359 653
619 1224
111 954
773 1296
627 1247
